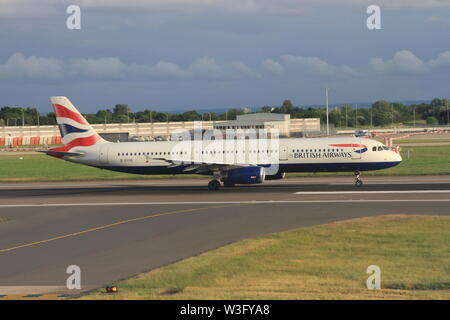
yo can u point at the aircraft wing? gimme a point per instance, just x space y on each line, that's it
203 166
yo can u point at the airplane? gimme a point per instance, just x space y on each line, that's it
247 161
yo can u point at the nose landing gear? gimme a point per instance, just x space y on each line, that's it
358 181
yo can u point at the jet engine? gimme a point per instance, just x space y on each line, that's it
245 175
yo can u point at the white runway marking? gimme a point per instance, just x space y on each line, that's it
212 202
372 192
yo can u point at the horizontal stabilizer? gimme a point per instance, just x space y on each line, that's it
60 154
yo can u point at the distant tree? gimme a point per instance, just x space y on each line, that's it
436 102
104 116
121 109
191 116
266 109
432 120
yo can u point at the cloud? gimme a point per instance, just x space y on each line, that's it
30 8
405 62
102 68
19 66
241 68
443 60
160 70
111 68
205 67
279 6
436 19
273 66
315 65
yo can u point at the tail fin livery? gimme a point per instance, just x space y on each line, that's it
75 130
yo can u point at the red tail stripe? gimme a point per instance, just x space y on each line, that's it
80 142
349 145
63 112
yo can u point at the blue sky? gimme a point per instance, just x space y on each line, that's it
207 54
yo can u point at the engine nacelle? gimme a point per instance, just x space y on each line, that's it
246 175
278 176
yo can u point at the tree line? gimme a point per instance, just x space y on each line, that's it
381 113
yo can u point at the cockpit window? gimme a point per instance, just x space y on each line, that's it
385 148
374 149
380 148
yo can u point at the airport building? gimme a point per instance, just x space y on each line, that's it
287 127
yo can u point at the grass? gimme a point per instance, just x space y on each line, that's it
403 141
27 168
321 262
27 146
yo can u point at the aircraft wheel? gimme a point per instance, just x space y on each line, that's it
214 185
358 183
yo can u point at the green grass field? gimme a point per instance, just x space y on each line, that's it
28 168
402 141
20 168
321 262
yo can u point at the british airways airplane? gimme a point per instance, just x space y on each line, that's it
228 161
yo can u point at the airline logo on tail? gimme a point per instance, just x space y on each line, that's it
75 130
361 148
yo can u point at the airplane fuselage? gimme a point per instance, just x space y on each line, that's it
340 154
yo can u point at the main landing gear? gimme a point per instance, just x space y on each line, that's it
214 184
358 181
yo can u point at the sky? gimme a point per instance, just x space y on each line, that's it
215 54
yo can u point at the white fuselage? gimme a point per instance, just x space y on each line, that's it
292 155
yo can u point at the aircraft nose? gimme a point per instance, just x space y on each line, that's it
396 156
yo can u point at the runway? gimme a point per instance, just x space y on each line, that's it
114 230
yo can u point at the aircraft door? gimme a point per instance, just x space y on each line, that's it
103 157
283 153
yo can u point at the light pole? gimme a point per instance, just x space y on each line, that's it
448 115
346 116
328 122
414 117
392 108
356 116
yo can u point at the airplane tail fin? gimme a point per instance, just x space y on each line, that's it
75 130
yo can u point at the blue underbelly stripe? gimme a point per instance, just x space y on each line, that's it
291 167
